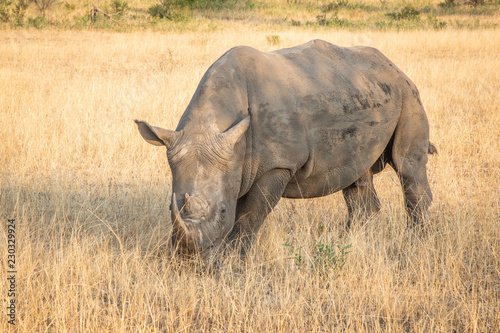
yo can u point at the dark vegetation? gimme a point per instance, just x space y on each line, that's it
184 14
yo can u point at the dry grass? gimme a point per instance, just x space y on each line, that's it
91 198
209 15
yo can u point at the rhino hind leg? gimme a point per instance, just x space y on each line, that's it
361 198
417 193
409 159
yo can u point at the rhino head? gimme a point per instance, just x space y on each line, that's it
207 168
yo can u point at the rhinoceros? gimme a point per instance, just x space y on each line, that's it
301 122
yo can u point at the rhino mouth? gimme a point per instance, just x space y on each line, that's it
190 225
195 229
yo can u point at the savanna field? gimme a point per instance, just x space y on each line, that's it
90 198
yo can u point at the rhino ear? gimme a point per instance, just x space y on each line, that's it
156 135
232 135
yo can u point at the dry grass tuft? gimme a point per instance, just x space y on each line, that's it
91 198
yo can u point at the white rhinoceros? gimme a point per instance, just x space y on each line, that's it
301 122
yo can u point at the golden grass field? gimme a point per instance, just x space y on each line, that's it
90 197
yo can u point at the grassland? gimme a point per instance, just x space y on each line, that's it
90 198
209 15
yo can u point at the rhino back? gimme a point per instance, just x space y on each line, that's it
324 112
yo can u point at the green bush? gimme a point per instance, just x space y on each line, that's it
81 22
37 22
157 11
407 13
44 5
447 4
19 11
326 261
169 8
209 4
435 23
118 6
335 5
334 21
13 12
163 9
5 10
273 40
69 6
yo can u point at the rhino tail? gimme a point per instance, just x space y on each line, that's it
432 149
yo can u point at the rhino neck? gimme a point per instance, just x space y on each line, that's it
220 100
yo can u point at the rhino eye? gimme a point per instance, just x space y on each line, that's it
223 211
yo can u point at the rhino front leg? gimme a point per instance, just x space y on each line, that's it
254 207
361 198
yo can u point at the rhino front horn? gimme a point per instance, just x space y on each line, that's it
184 227
178 222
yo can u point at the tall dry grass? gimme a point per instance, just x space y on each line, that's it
91 198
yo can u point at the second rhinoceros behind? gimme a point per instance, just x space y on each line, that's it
301 122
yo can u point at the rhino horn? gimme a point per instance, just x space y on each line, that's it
184 227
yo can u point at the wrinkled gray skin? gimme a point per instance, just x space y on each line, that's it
301 122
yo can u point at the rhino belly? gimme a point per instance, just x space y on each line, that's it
338 157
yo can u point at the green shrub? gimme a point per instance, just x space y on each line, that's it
163 9
19 11
407 13
69 6
209 4
435 23
273 40
326 261
37 22
476 3
5 10
118 6
44 5
447 4
81 22
334 21
335 5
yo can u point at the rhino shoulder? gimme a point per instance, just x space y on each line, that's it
241 53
